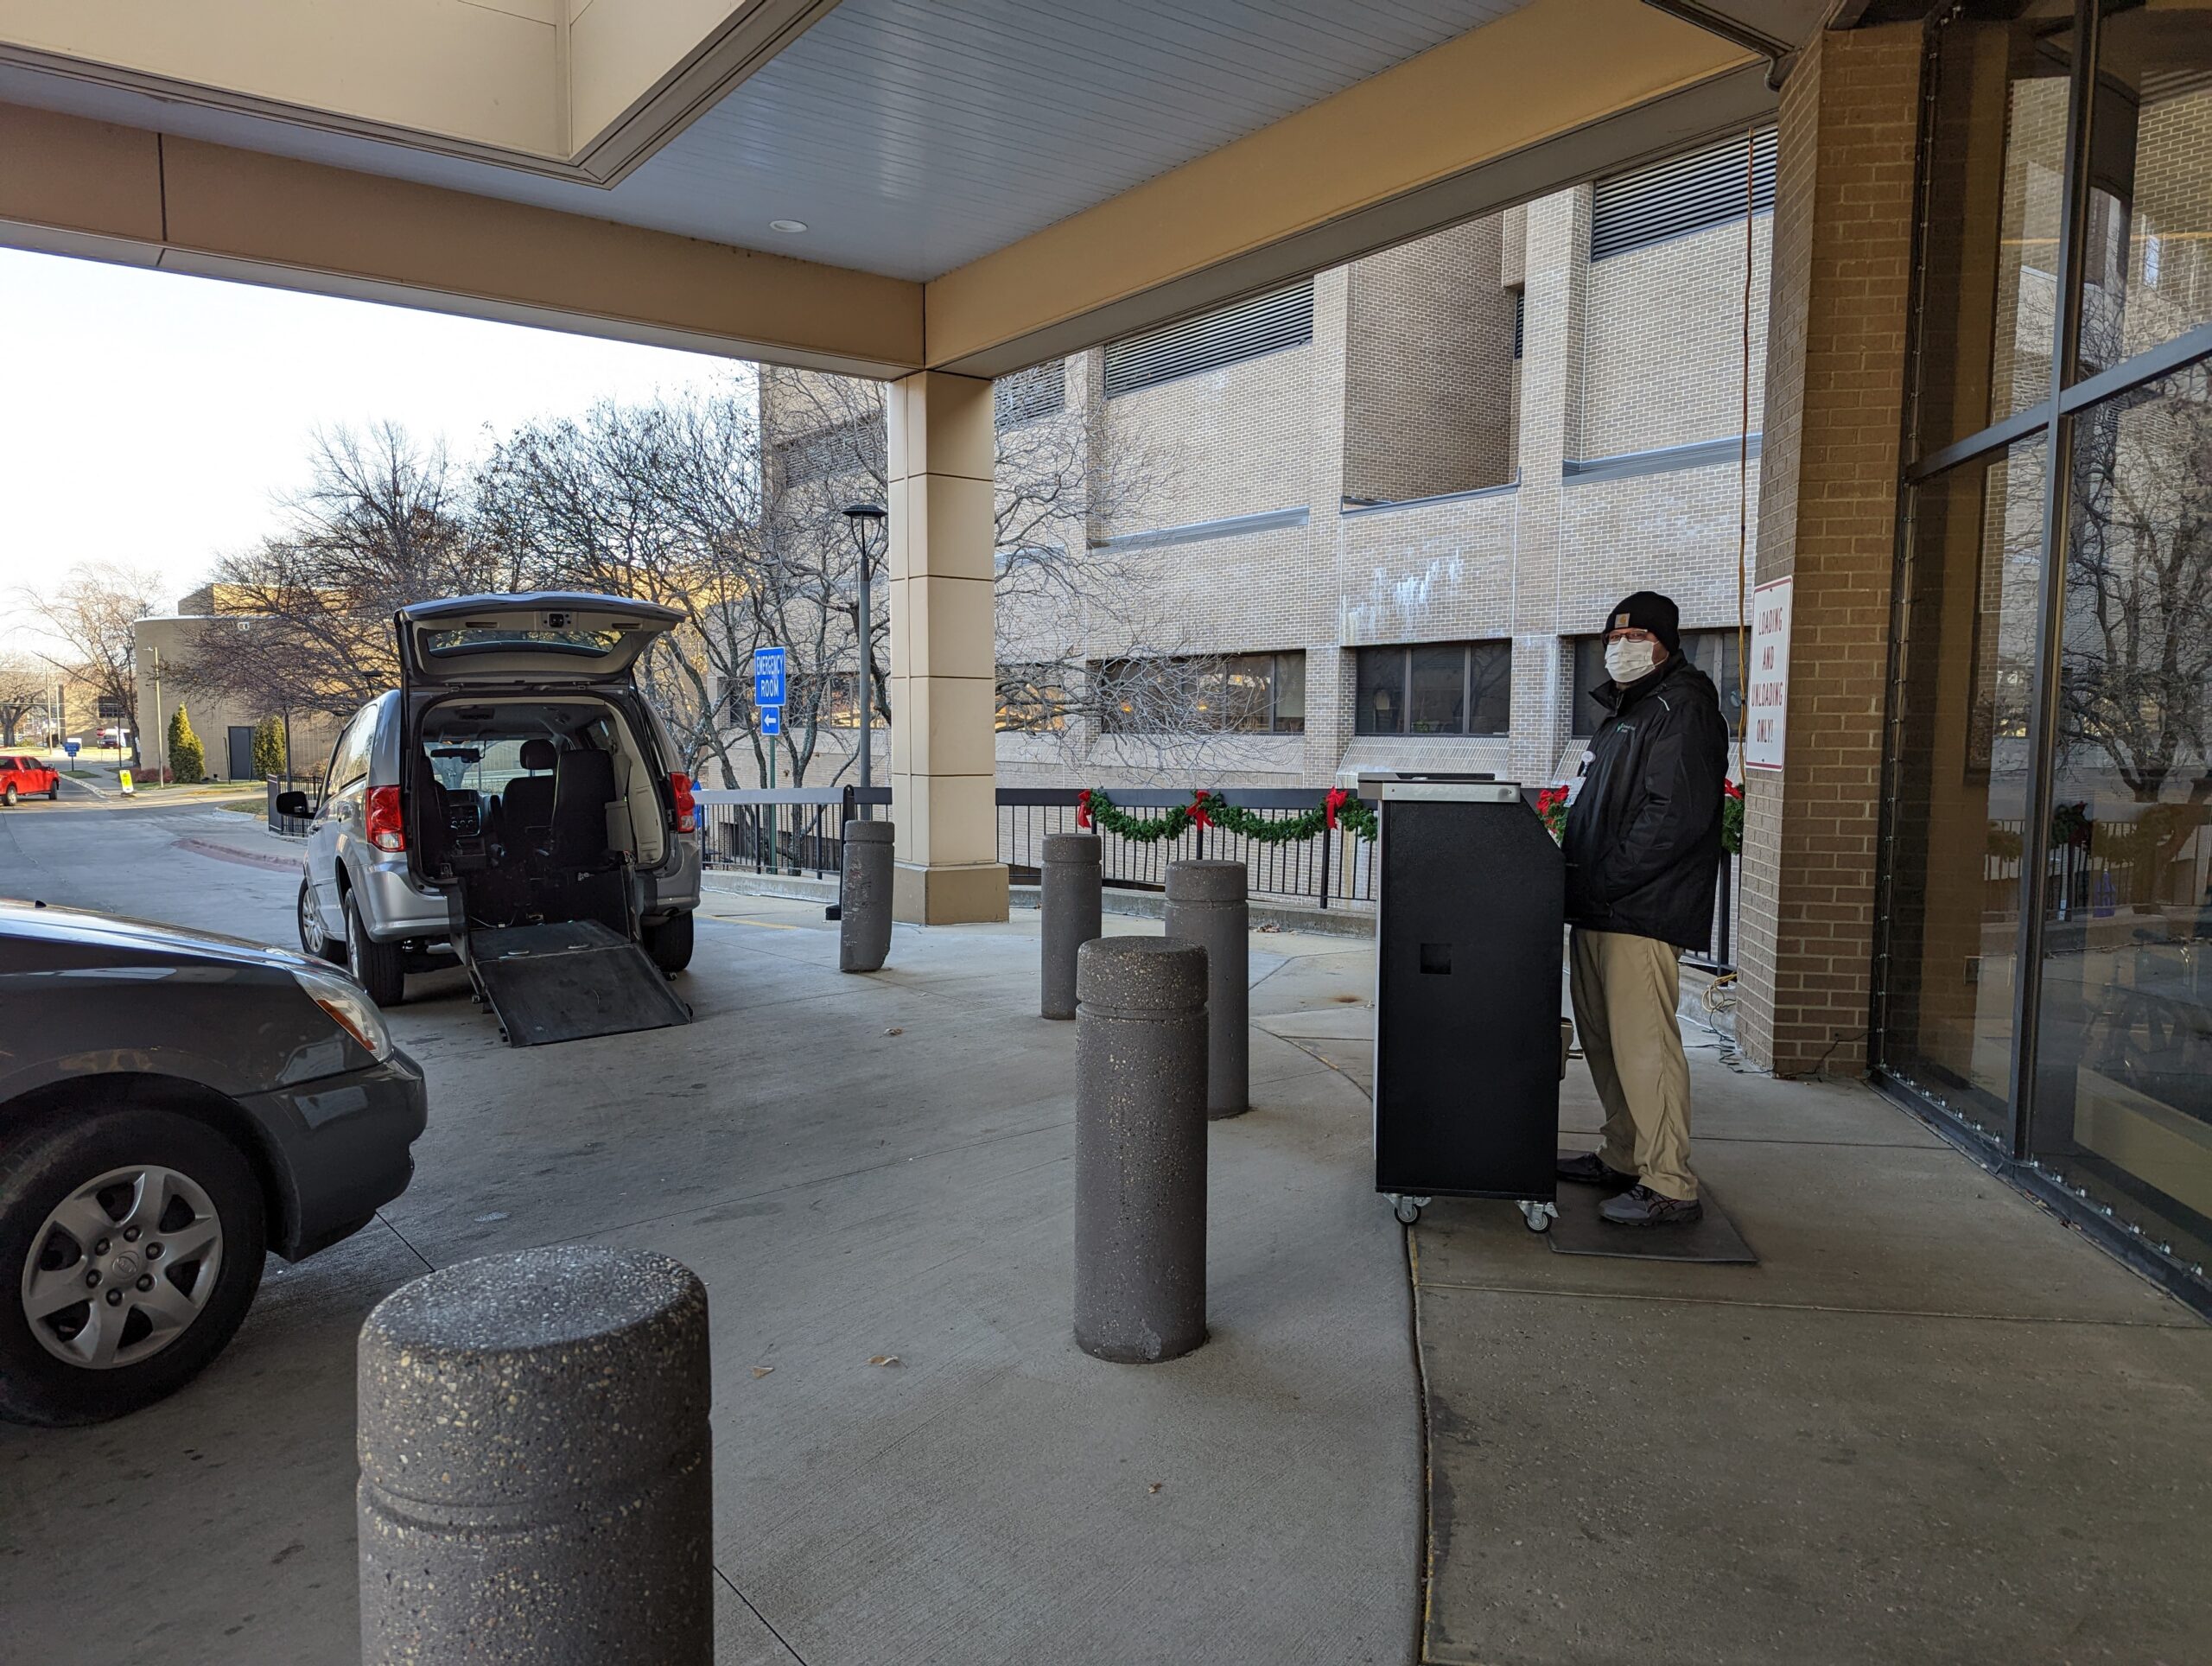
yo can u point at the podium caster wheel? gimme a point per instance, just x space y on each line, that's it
1539 1217
1407 1209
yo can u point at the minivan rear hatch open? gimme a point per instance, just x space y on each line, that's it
537 640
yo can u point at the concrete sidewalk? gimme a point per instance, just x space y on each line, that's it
858 1168
1933 1425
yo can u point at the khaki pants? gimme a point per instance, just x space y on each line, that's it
1624 989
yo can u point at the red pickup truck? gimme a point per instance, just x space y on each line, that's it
20 777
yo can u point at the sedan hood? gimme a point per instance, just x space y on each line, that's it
39 922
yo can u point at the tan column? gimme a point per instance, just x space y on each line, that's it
1555 257
1828 515
944 687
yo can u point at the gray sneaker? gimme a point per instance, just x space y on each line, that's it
1588 1168
1641 1206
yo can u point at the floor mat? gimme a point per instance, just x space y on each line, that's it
1578 1232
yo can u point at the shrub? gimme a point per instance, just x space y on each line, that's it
187 760
268 747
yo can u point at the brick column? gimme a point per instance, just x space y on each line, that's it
943 747
1827 515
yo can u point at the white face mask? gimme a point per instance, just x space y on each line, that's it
1627 660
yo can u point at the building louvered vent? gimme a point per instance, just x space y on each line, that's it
1520 319
1040 390
1266 323
1673 198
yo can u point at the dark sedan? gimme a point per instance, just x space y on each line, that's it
173 1105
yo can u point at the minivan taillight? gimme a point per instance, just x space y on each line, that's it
385 831
687 813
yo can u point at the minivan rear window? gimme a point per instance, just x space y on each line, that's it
477 639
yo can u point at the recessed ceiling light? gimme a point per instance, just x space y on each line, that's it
787 226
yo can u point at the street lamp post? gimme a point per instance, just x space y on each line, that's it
865 519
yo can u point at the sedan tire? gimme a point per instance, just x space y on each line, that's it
9 797
131 1243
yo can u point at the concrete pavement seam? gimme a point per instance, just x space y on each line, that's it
757 1614
1808 1307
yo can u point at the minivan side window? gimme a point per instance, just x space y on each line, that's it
349 759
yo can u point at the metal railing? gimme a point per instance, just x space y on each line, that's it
737 830
1331 869
291 826
791 830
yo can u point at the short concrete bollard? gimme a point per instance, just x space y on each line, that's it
536 1470
1206 906
1074 913
1139 1148
864 926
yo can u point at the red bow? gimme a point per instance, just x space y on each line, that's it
1083 808
1198 808
1732 789
1335 800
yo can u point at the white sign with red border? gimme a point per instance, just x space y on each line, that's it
1767 718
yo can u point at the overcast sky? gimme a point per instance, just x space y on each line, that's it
149 419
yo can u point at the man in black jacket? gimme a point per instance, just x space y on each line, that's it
1643 847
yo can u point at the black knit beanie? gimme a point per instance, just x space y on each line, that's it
1646 610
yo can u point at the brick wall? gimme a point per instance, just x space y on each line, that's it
1663 352
1428 367
1827 505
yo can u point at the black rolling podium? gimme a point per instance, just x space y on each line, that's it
1472 897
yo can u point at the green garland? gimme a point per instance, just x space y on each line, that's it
1351 816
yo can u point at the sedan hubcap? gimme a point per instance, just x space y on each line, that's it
122 1267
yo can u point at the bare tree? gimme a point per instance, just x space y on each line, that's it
660 501
2135 673
384 521
25 692
93 611
1073 616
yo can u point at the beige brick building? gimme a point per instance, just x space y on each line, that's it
1477 440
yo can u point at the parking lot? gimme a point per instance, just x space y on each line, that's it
858 1168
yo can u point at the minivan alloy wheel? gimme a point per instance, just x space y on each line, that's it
122 1267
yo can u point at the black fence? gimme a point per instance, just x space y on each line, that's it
292 826
792 830
796 830
1331 869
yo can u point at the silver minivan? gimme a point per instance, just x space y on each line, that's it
517 780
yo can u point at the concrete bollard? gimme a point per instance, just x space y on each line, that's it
1139 1148
864 926
536 1470
1206 906
1074 913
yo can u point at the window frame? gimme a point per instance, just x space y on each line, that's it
1469 702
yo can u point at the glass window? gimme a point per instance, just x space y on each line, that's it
2146 266
1719 655
1434 688
1248 700
1200 695
349 759
1379 701
1995 156
1032 699
1436 700
1957 782
1490 685
2123 1087
1290 693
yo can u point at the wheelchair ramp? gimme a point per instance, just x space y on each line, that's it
566 981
